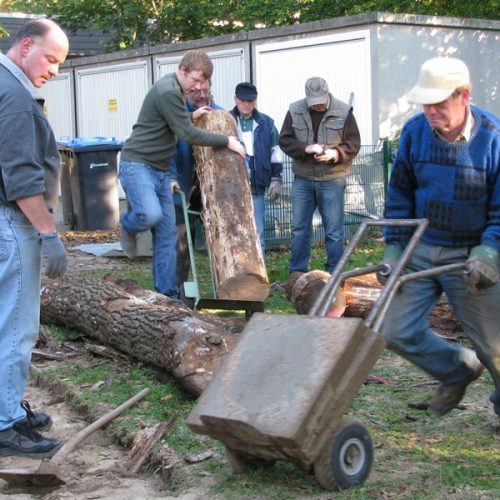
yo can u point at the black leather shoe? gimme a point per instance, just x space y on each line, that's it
13 442
38 421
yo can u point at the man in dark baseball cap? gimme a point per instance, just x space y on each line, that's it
264 159
246 91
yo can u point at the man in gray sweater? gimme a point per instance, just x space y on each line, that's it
29 181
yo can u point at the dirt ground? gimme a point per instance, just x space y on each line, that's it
98 467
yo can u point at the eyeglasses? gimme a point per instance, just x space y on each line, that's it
201 92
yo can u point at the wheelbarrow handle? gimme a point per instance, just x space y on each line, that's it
327 294
381 309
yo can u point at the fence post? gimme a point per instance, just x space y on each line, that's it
387 153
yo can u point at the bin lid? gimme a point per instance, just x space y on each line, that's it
79 143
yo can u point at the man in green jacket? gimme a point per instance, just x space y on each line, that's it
144 166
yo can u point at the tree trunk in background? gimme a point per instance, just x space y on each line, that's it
146 325
237 263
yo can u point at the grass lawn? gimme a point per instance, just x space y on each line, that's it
417 455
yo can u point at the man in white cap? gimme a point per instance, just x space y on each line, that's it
447 170
321 135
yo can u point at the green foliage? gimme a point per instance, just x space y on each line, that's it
137 22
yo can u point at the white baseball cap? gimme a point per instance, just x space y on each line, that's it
438 79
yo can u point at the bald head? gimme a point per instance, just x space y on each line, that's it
38 49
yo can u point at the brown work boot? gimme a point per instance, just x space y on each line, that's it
448 396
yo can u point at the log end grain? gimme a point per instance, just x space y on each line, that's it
245 286
306 290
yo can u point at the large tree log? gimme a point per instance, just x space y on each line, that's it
237 262
356 300
142 323
361 292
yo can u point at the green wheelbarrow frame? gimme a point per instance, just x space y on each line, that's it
191 288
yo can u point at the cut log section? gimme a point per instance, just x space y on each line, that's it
144 324
238 266
306 288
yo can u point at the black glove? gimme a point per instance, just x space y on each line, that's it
392 254
481 268
54 255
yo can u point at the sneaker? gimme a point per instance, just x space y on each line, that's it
38 421
128 242
448 396
25 442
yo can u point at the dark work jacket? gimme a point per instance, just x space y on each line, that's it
263 170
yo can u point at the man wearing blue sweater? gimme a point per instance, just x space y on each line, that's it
447 170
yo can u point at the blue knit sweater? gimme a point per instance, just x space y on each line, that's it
456 186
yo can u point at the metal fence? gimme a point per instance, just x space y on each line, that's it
364 197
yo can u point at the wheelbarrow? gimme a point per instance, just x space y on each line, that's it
191 290
282 392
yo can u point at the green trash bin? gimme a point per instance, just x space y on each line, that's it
89 183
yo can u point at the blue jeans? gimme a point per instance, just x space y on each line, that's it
19 309
259 214
328 197
151 207
407 331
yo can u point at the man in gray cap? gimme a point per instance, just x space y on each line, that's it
264 158
321 135
447 170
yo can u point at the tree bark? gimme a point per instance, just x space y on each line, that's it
142 323
237 262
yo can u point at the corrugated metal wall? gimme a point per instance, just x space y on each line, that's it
108 98
59 105
229 70
343 60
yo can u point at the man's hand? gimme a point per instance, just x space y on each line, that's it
274 189
328 155
481 268
392 254
54 255
235 145
314 149
203 110
174 186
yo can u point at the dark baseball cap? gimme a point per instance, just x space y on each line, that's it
246 91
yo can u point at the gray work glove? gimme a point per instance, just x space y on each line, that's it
392 254
54 255
274 189
481 268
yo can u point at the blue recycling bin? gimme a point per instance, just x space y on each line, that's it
89 183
